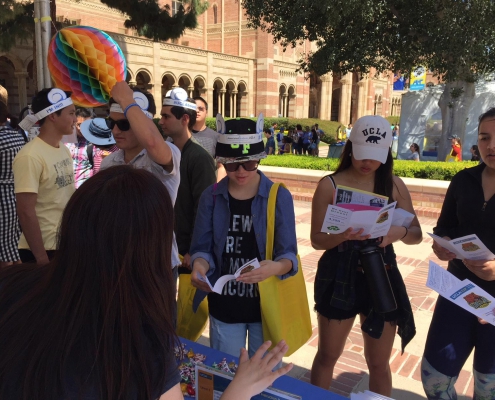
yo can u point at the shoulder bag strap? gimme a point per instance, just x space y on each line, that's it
270 219
89 153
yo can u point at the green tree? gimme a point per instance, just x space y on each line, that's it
453 38
16 21
155 21
148 17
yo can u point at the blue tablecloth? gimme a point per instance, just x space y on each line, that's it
285 383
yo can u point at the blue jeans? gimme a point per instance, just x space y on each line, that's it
230 338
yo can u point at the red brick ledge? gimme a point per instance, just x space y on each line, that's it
428 212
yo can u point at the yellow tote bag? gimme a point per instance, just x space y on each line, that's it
190 325
451 157
284 303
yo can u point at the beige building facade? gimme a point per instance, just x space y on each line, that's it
237 69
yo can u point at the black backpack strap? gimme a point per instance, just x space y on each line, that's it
89 153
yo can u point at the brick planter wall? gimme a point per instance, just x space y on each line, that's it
427 195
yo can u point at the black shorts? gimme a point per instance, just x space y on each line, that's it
362 305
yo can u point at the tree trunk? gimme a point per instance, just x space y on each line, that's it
454 103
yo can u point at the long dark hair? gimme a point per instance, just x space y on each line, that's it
384 180
100 316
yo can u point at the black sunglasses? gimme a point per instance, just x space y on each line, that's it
251 165
122 124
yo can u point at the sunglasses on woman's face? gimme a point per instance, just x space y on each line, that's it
251 165
122 124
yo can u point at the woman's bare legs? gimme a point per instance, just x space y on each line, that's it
332 335
377 353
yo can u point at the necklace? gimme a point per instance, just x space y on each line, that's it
361 183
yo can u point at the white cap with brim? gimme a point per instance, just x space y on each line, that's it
97 132
371 138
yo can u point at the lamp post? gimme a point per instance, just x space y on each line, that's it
42 33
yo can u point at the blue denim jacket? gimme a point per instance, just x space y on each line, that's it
212 225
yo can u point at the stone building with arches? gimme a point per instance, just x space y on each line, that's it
240 71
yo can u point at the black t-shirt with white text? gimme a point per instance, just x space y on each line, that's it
239 302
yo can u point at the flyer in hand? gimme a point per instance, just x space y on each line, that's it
211 383
464 293
374 222
402 218
348 195
220 283
468 247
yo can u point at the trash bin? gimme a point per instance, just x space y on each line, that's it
335 150
395 146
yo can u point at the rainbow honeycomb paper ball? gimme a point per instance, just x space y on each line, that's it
86 62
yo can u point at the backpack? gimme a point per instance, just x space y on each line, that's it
280 136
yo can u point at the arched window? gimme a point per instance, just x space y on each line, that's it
176 5
215 14
378 104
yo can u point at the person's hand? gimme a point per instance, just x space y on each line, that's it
266 269
482 321
349 235
186 261
122 94
255 375
395 233
484 269
441 252
43 260
197 271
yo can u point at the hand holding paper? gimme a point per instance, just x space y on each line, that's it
376 223
266 269
464 293
468 247
482 268
220 283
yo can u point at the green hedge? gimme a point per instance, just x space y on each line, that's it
329 127
443 171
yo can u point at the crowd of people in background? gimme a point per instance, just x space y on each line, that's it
103 222
293 141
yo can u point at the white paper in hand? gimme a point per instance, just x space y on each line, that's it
220 283
402 218
375 223
465 294
468 247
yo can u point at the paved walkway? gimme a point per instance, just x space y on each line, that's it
351 373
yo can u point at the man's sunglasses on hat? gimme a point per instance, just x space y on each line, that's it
250 165
122 124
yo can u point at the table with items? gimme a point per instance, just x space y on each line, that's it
195 353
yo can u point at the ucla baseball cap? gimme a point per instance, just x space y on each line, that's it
371 138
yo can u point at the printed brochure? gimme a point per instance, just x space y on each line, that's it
464 293
402 218
468 247
220 283
374 222
348 195
211 383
